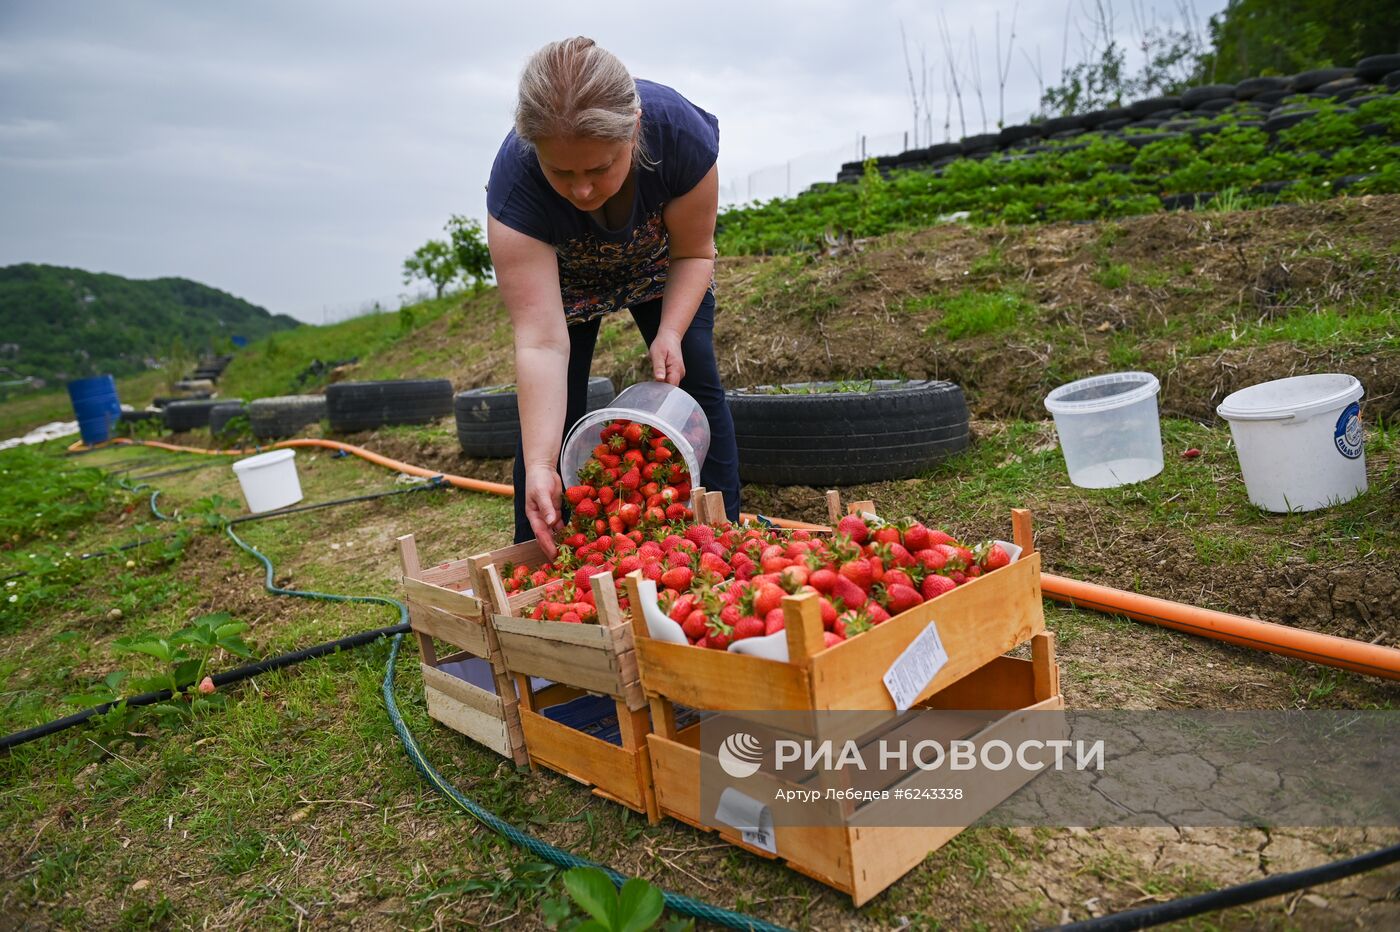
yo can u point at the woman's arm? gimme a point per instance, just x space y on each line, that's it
527 273
690 225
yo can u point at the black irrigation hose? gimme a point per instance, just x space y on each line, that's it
1277 885
220 679
176 472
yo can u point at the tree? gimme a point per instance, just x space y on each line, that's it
470 250
434 261
1254 37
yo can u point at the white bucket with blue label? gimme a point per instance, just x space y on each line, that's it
1300 441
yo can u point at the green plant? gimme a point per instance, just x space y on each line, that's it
976 312
636 907
184 660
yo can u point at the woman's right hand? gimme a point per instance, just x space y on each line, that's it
544 491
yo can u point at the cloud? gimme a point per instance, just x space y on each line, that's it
294 154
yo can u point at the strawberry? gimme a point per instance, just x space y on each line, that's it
828 612
877 613
677 512
889 534
916 537
682 607
831 638
994 558
774 622
936 536
850 594
854 527
935 585
749 627
586 509
931 559
694 625
653 571
713 564
636 434
630 479
767 598
678 578
700 535
571 617
901 597
823 580
577 493
794 577
859 571
898 578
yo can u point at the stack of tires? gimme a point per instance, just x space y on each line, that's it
284 415
830 433
488 419
356 406
187 415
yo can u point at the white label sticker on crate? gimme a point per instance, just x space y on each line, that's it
750 817
916 667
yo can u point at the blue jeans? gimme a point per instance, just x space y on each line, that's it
720 472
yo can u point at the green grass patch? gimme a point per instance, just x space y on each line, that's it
974 313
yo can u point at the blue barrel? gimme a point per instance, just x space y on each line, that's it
95 403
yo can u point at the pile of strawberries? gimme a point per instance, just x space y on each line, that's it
725 583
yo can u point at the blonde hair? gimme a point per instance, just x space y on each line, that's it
573 88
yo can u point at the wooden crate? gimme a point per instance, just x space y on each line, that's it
862 861
469 691
977 623
577 660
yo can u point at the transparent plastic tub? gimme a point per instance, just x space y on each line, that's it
660 406
1109 431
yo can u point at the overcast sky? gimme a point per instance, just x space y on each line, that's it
295 153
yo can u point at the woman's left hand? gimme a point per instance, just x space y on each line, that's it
667 364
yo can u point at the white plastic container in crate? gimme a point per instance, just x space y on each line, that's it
660 406
1299 440
1109 430
269 480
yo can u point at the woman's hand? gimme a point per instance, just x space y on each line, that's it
667 364
543 492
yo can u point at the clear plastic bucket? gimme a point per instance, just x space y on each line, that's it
1108 426
269 480
660 406
1299 441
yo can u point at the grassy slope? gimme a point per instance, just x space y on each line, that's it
297 803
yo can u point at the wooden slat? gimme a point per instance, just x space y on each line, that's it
457 572
408 556
714 508
473 696
455 630
833 507
976 622
711 679
482 728
593 637
1043 661
1022 534
614 770
594 669
449 600
802 622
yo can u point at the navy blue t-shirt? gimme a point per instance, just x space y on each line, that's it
603 270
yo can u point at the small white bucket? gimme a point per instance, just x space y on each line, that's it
269 480
1108 428
1299 440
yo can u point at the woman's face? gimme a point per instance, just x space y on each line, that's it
586 172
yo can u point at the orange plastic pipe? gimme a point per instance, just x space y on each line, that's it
1346 653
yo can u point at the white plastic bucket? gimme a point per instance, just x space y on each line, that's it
659 405
1108 427
1299 440
269 480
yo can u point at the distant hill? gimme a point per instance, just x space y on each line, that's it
58 323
